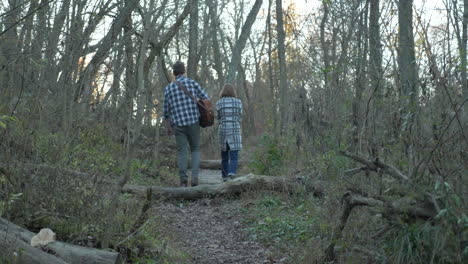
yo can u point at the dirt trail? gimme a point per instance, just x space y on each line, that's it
211 230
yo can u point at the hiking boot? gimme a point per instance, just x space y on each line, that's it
194 181
225 179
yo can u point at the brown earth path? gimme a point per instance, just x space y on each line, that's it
211 231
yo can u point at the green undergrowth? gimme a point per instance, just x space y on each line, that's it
421 242
150 172
302 226
286 224
151 245
61 180
269 157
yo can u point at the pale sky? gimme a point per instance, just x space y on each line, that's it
309 4
431 7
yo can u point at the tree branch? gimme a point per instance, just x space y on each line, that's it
377 165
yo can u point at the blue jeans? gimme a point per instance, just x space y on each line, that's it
229 162
188 136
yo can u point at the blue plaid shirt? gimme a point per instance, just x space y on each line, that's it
178 106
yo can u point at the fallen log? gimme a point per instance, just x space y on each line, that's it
230 188
210 164
68 253
214 164
14 250
204 164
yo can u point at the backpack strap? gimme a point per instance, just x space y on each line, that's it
183 88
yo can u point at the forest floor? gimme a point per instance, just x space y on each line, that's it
211 231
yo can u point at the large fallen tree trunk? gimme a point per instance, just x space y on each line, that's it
14 250
66 252
234 187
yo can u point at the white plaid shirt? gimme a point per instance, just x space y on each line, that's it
230 116
178 106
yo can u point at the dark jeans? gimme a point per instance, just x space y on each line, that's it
229 162
185 136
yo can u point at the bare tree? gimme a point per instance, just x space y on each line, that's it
463 50
360 82
83 87
241 41
282 66
325 45
408 72
375 76
214 16
271 80
193 41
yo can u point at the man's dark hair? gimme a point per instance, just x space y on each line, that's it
178 68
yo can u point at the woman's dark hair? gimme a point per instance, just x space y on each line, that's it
228 91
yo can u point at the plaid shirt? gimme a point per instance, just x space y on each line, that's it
229 116
178 106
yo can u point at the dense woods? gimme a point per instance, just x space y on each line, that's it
367 97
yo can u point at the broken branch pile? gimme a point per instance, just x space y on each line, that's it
405 207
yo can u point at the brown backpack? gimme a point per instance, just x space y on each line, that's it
205 107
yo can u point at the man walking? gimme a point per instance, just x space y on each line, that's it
181 116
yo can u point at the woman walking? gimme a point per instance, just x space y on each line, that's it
229 115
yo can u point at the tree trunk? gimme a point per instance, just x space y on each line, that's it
326 68
240 43
142 89
130 78
272 82
375 76
87 76
117 70
193 41
463 59
360 79
284 109
51 71
325 45
408 74
406 54
213 6
157 47
9 49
